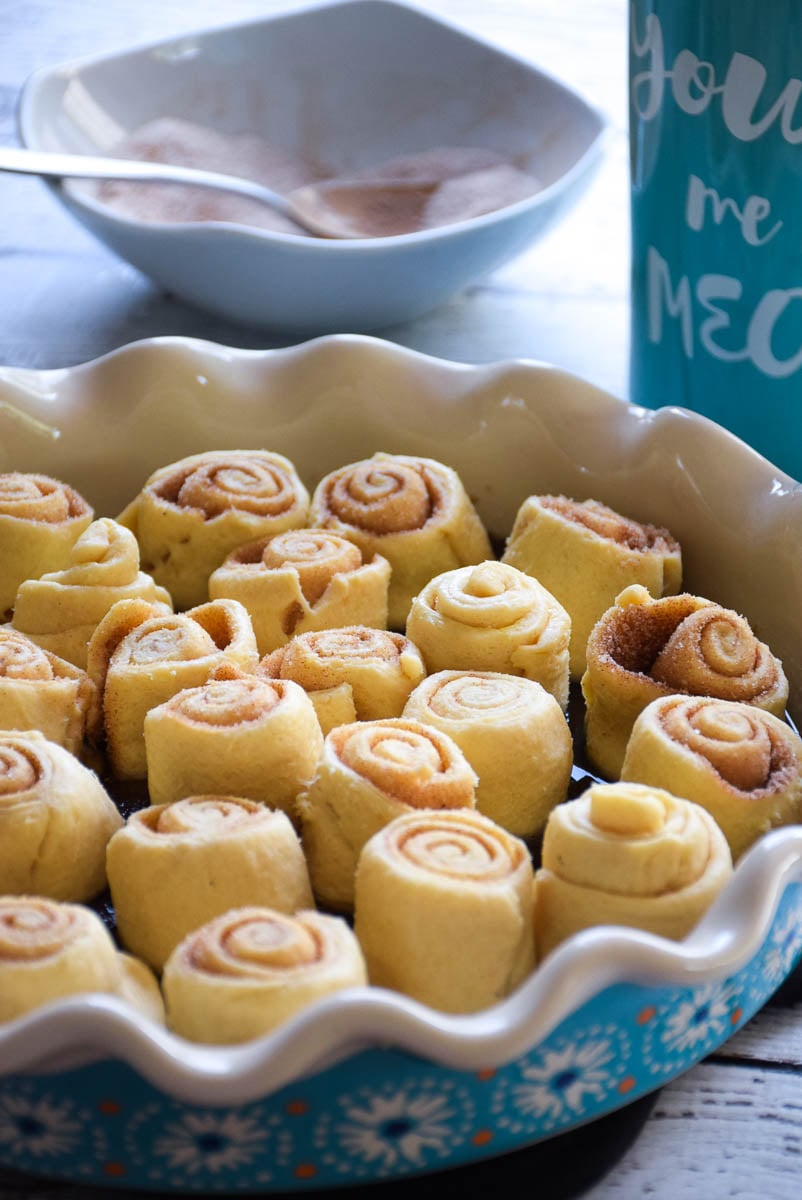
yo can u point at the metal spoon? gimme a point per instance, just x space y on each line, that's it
333 208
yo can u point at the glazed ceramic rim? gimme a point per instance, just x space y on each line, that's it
72 1032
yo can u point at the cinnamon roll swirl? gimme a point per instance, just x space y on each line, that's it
415 512
55 821
190 514
234 735
443 909
512 732
303 580
493 617
142 654
742 764
370 772
61 610
40 691
40 519
243 974
642 649
586 554
627 854
50 950
351 674
174 867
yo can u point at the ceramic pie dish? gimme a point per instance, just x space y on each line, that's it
368 1085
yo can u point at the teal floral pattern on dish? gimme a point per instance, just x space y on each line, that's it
385 1114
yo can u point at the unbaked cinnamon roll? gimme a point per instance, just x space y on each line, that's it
240 976
40 691
141 654
443 909
512 732
627 854
55 821
586 554
370 772
493 617
351 674
302 580
415 512
40 519
192 513
61 610
174 867
235 735
50 950
740 763
642 649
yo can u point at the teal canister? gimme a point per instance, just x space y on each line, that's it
715 93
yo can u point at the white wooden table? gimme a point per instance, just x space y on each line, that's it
732 1127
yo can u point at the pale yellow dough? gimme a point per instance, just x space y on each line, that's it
493 617
415 512
40 519
191 513
642 649
370 772
627 854
586 554
302 580
173 867
141 654
350 674
40 691
742 764
61 610
51 950
55 820
247 972
443 909
512 732
235 735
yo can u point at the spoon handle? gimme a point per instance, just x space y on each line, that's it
87 166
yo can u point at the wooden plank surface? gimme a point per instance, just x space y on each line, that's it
730 1127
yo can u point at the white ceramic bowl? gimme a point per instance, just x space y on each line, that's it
369 1084
352 84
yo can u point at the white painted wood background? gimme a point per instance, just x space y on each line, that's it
732 1126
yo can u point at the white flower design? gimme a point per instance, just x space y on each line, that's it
396 1127
694 1021
210 1142
565 1079
783 947
42 1128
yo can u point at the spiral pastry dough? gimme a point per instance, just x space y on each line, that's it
61 610
512 732
351 674
40 691
234 735
240 976
55 821
371 772
493 617
51 950
627 854
739 762
642 649
415 512
586 554
303 580
40 519
142 654
173 867
192 513
443 909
